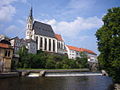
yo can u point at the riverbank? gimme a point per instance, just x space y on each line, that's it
9 74
83 69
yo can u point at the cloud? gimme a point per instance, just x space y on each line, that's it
7 10
6 2
81 4
74 28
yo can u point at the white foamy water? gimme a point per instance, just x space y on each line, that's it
33 75
72 74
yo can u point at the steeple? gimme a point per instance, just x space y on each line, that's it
30 15
29 25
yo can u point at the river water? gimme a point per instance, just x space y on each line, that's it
57 83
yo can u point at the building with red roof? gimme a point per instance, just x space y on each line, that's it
6 54
60 44
74 52
58 37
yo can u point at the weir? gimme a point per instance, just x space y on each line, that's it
62 74
72 74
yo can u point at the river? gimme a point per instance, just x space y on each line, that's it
57 83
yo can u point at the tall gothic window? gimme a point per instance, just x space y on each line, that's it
53 45
49 44
61 45
45 44
41 42
58 45
37 42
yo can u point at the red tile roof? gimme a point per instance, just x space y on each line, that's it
86 50
2 45
73 48
58 37
80 49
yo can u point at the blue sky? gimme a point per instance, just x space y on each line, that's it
76 20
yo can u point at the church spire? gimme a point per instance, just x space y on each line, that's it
30 15
29 25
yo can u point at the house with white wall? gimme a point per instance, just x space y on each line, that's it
74 52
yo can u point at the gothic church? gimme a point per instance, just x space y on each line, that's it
44 36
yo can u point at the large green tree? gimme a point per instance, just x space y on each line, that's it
108 37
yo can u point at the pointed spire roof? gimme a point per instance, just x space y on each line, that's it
31 14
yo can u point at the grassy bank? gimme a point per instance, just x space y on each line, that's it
49 69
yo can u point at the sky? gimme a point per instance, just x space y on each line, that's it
76 20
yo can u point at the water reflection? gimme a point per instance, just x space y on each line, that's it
57 83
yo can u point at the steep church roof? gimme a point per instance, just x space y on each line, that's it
43 29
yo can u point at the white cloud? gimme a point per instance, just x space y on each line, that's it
7 12
80 4
6 2
74 28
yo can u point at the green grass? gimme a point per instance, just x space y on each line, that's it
51 69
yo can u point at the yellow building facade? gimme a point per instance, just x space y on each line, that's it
6 54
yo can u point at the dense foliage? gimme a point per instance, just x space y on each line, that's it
49 60
108 37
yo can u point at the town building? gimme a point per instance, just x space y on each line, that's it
6 54
2 37
74 52
31 46
43 34
17 43
60 44
92 56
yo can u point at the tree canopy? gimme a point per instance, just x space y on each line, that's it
49 60
108 37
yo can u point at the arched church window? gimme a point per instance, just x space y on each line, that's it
41 42
49 44
37 42
45 44
53 45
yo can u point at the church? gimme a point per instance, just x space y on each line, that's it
44 36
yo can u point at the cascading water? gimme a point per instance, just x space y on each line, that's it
60 74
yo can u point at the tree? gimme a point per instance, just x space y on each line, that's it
82 61
108 37
50 64
23 52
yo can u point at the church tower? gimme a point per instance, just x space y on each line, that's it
29 28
